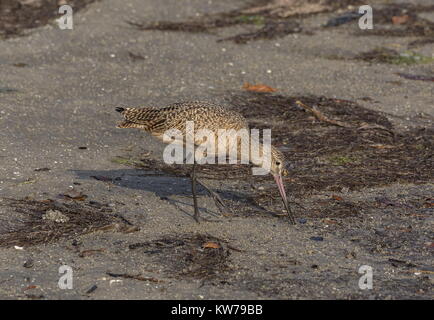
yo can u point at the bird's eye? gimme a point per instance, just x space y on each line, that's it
277 163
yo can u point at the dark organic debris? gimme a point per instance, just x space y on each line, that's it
92 289
42 169
420 42
29 263
387 202
320 116
135 57
7 90
275 19
317 238
271 30
343 19
206 23
337 209
133 276
102 178
297 8
385 55
73 195
18 16
402 20
415 77
35 296
185 255
401 263
91 252
27 227
20 64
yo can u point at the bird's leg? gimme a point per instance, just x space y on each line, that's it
217 199
193 191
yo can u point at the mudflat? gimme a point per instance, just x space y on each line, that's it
351 109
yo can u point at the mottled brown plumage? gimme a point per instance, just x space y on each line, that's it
205 115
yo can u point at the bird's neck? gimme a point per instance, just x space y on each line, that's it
261 155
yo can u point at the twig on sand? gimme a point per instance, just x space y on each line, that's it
133 276
321 117
366 126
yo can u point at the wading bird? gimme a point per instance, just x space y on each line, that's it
204 115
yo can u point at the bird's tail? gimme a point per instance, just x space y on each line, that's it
141 118
128 124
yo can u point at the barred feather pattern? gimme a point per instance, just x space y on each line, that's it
205 115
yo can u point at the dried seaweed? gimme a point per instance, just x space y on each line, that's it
18 16
271 30
186 255
414 26
32 227
270 23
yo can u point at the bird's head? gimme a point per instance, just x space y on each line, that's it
279 164
279 168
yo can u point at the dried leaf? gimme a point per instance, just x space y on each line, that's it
400 19
258 87
212 245
429 203
337 198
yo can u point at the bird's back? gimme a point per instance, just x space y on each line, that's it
205 115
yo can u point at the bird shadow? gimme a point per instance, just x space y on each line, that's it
162 185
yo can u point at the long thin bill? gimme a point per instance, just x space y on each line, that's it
279 183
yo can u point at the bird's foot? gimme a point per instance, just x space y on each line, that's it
196 211
224 210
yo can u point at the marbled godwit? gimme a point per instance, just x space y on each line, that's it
207 116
